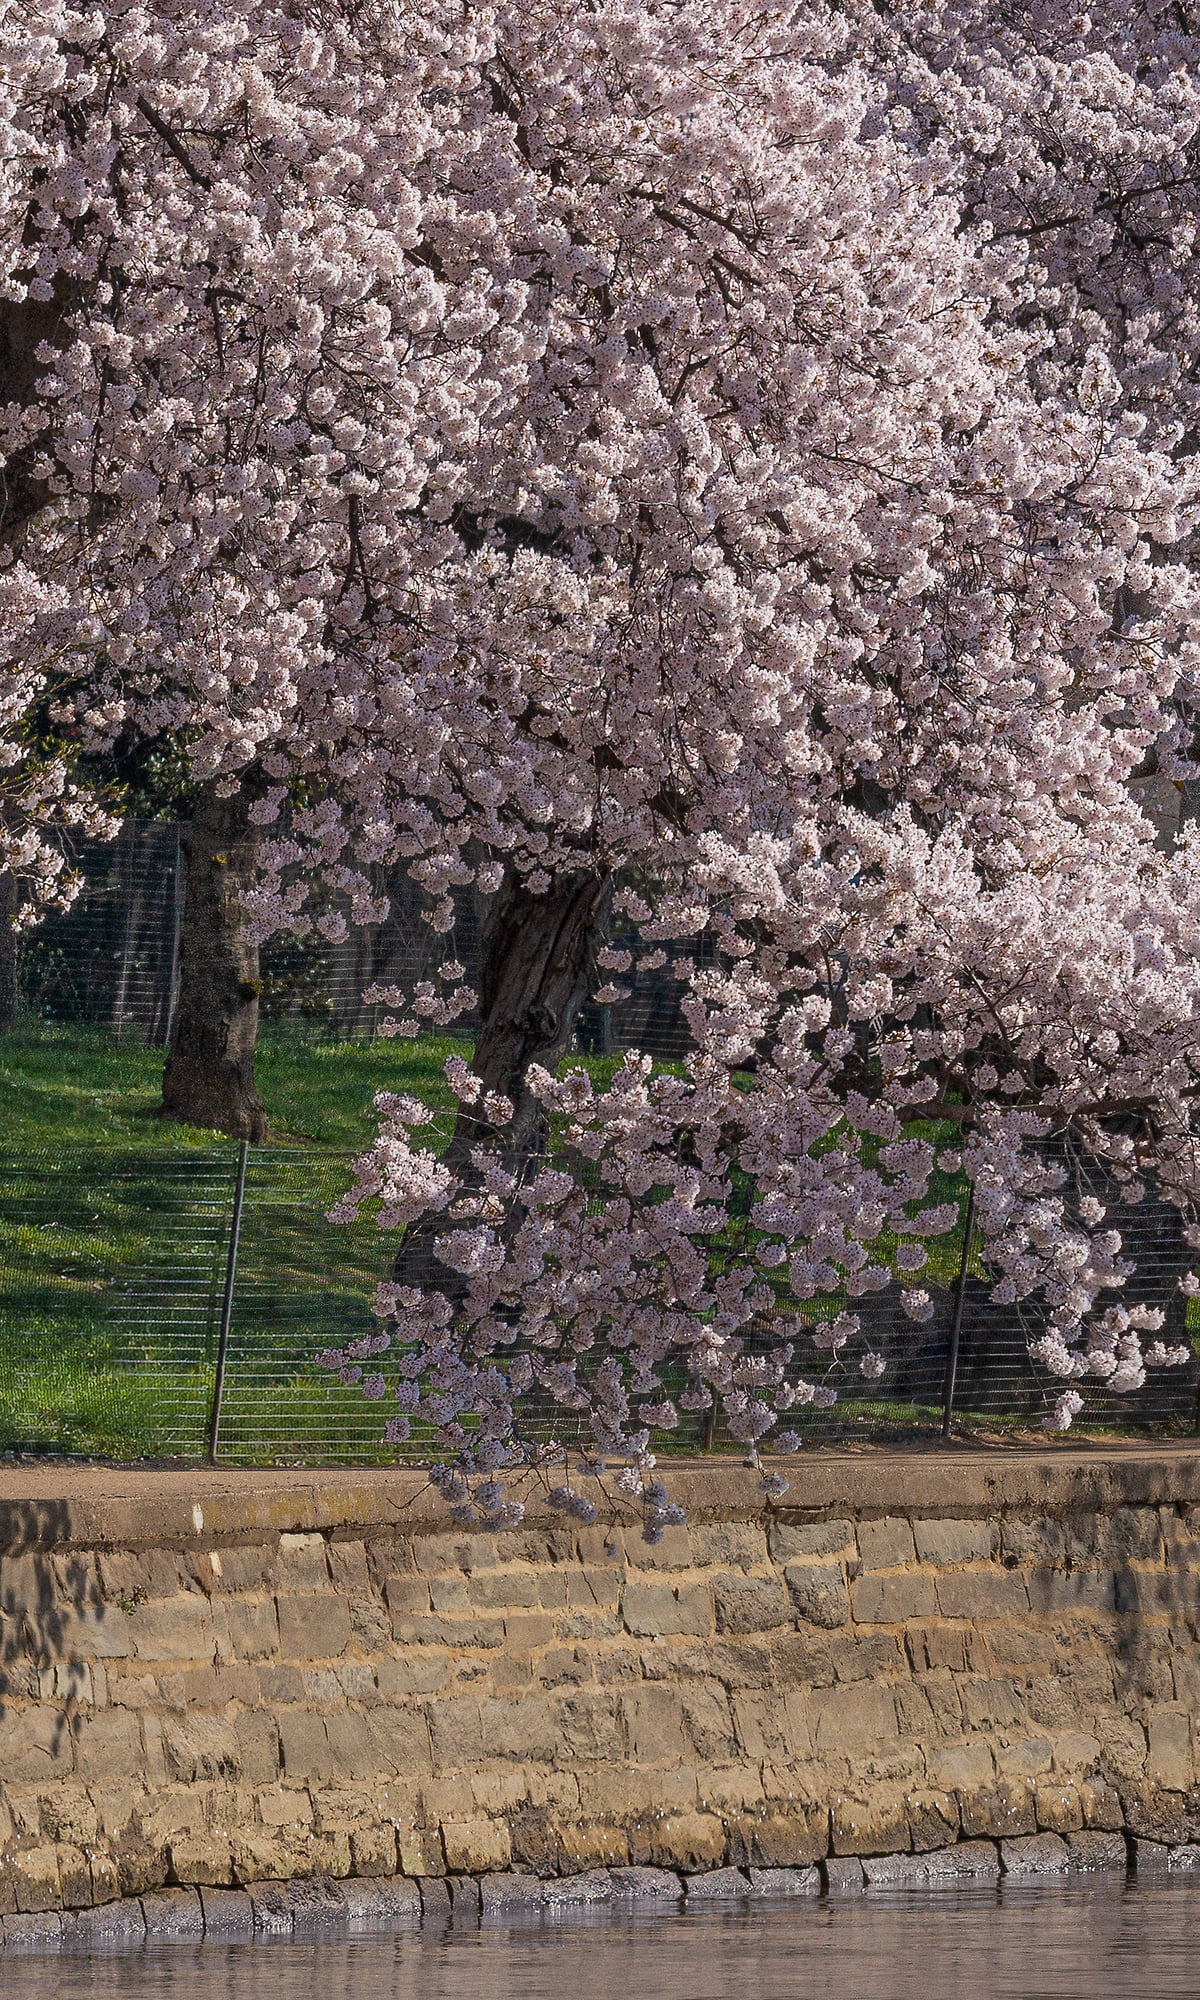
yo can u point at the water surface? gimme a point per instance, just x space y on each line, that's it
1076 1941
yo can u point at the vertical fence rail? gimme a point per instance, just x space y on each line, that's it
960 1299
235 1232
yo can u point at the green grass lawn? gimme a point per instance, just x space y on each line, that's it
67 1086
114 1234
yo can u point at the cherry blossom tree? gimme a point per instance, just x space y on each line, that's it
626 453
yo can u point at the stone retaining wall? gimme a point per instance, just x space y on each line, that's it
217 1682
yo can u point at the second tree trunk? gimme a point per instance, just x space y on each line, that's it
209 1075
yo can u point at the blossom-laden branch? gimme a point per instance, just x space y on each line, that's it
747 457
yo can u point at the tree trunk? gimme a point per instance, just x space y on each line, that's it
8 953
536 964
209 1074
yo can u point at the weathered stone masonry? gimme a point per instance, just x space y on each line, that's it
219 1680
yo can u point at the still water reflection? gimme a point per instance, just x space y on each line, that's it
1064 1943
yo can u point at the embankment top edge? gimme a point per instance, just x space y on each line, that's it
96 1506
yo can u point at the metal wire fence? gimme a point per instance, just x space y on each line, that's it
140 1297
112 959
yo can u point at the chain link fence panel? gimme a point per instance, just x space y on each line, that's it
114 1269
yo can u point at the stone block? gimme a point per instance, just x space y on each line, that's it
689 1842
172 1913
456 1734
588 1846
1053 1592
280 1805
256 1739
1059 1808
1156 1815
457 1632
647 1882
1151 1857
328 1853
374 1850
75 1877
792 1718
35 1744
891 1599
728 1545
505 1892
348 1568
1102 1808
1169 1762
785 1881
475 1847
969 1860
1035 1854
843 1876
887 1543
1088 1851
853 1719
859 1654
938 1646
982 1594
198 1857
360 1746
33 1877
227 1912
302 1563
313 1628
92 1632
522 1730
933 1820
963 1767
750 1603
253 1628
589 1729
795 1541
111 1926
179 1628
272 1907
304 1747
1129 1534
873 1824
653 1721
655 1610
36 1931
387 1903
818 1592
1187 1856
420 1852
465 1905
787 1835
199 1747
435 1900
407 1596
594 1886
718 1885
945 1542
141 1865
1005 1812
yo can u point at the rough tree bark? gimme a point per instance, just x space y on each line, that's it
536 967
209 1075
8 953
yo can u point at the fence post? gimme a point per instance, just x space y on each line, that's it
235 1230
956 1323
